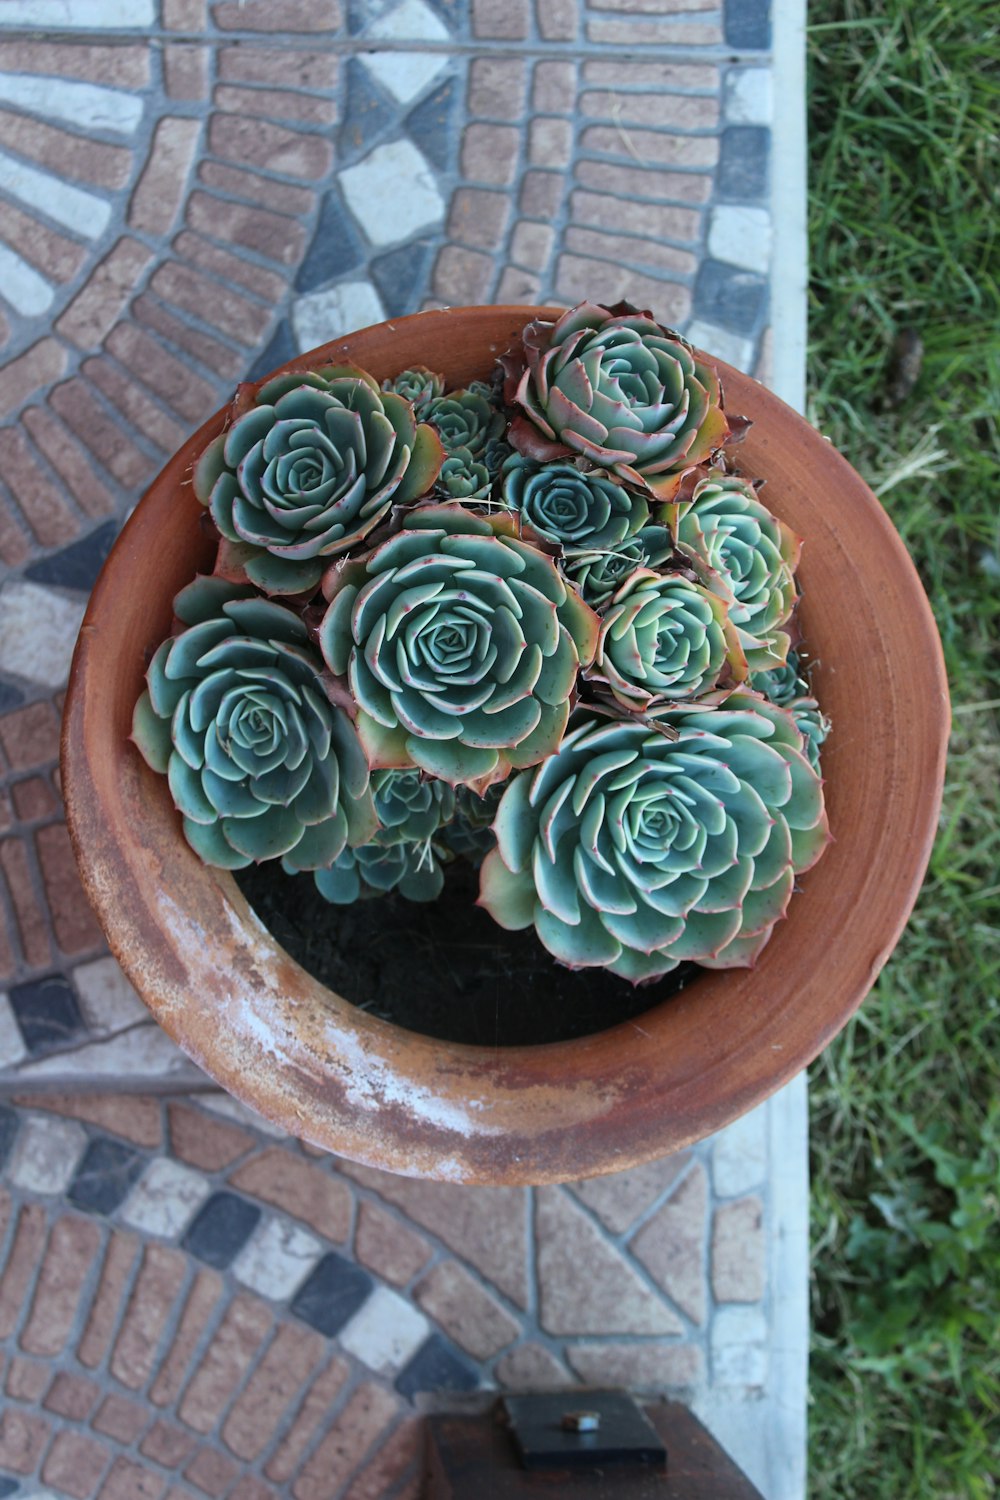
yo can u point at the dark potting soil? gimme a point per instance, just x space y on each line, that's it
444 968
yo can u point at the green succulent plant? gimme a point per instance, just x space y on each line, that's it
613 386
725 528
260 763
307 469
572 506
414 869
460 644
781 684
635 852
812 724
418 385
410 807
465 419
664 637
470 832
463 477
598 573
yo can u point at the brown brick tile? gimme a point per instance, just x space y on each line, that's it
501 20
517 286
291 1357
365 1417
55 255
490 153
251 1488
308 1193
398 1459
639 1367
387 1247
285 69
655 77
222 361
660 7
22 1438
201 1141
277 236
47 513
33 799
259 143
119 1259
26 1380
73 1245
541 194
531 245
121 1419
532 1367
198 1309
621 1197
167 1445
278 15
213 303
652 148
30 736
68 155
550 142
69 460
630 248
159 192
138 409
314 1407
96 308
226 1362
71 1396
462 276
466 1311
557 19
74 1464
640 182
128 1115
654 33
74 924
131 1481
497 88
123 67
76 404
32 923
738 1251
669 1244
579 276
198 251
276 104
282 197
15 548
657 109
614 214
148 1314
211 1472
553 90
478 217
185 70
185 15
171 378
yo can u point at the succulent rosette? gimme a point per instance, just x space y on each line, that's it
470 832
260 763
781 684
308 469
618 389
460 644
410 807
571 506
418 385
598 573
635 852
664 637
414 869
724 527
465 419
812 724
464 478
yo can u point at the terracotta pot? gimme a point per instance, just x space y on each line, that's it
331 1074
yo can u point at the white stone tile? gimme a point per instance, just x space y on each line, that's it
731 347
740 236
749 96
393 193
12 1047
277 1259
92 14
385 1332
86 105
232 1109
411 21
404 74
38 630
739 1344
145 1054
46 1154
21 285
322 316
739 1154
82 212
165 1199
108 1001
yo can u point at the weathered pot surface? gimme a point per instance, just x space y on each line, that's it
333 1075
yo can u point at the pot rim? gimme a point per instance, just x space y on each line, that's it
368 1090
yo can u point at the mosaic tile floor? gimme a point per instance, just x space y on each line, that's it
189 191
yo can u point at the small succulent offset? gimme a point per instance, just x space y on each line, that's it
539 624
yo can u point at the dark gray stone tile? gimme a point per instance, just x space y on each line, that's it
47 1012
367 114
8 1130
436 1366
401 277
336 247
279 351
10 697
221 1228
432 126
105 1176
332 1294
76 566
748 24
733 298
742 174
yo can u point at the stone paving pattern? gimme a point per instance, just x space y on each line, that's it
190 1306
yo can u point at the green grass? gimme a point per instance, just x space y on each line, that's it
904 99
